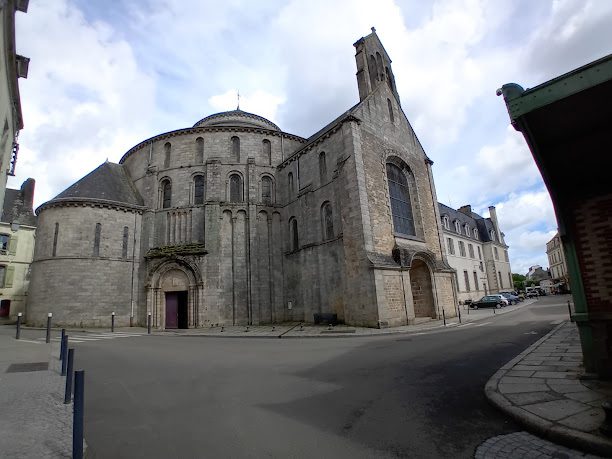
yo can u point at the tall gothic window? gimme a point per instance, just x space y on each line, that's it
327 220
372 71
235 188
293 230
236 149
198 189
167 151
322 167
266 190
166 194
401 207
267 151
199 157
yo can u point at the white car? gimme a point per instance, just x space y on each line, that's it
502 298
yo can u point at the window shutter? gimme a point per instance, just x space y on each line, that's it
13 245
8 278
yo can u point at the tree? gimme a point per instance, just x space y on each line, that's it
518 280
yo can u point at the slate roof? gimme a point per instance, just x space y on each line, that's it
236 117
108 182
484 225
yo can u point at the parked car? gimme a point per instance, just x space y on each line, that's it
488 301
502 298
532 294
511 297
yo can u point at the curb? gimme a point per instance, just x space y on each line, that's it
542 427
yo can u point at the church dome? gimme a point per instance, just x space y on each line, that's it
237 118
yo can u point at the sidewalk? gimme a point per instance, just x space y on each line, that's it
541 389
34 420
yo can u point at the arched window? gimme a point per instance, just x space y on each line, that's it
492 234
290 184
401 207
475 233
97 234
236 188
266 190
466 228
457 226
327 220
379 66
293 231
390 107
372 70
446 222
166 194
322 167
198 189
124 247
236 149
55 234
199 157
267 151
167 151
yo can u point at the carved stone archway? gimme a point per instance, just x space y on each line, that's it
422 289
174 275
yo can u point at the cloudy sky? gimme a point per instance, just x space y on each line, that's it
106 75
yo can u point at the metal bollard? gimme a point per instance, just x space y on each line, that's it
273 327
149 323
18 331
49 315
112 322
69 377
301 327
222 328
64 353
606 426
569 310
61 356
77 417
246 328
444 317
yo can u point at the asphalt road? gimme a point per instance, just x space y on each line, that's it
411 395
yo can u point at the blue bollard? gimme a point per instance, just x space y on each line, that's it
78 414
69 377
61 356
65 351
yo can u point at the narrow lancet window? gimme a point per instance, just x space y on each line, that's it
198 187
167 152
98 233
235 188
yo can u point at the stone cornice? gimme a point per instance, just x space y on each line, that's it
90 202
203 129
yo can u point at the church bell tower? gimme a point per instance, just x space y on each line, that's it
373 66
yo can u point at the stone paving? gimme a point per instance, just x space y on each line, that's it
527 446
34 420
542 388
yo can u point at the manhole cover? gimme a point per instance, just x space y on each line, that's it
25 367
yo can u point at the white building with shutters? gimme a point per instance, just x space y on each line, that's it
17 229
477 251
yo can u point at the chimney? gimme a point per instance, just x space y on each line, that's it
467 210
27 191
493 216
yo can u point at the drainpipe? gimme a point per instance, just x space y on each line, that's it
248 241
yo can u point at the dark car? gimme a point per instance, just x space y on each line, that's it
511 297
489 301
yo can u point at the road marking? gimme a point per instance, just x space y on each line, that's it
530 333
29 341
483 324
465 325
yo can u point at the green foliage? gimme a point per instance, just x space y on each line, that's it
519 281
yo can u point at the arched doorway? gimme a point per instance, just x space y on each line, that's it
422 289
174 295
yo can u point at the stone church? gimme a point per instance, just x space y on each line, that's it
233 221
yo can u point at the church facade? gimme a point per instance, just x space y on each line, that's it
233 221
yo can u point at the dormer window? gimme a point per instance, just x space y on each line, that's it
492 234
466 228
457 226
475 233
445 222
